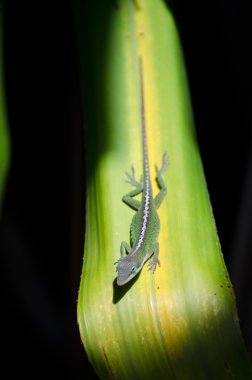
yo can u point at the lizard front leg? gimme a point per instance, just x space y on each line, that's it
154 259
125 248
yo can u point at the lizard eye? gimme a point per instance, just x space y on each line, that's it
133 269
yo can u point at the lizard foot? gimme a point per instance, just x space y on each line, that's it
165 163
153 264
132 179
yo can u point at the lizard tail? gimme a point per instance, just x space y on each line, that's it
146 167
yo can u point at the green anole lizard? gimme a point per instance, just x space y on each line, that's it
145 224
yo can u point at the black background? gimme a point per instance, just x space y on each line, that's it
43 214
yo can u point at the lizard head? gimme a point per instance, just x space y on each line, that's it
127 268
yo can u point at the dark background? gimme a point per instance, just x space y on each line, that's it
43 215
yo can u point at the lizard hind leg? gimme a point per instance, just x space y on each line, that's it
165 164
160 181
129 197
132 178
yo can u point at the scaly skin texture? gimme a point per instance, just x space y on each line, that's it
145 224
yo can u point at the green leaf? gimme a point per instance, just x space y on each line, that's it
4 138
181 322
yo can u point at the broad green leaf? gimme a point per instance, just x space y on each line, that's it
181 322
